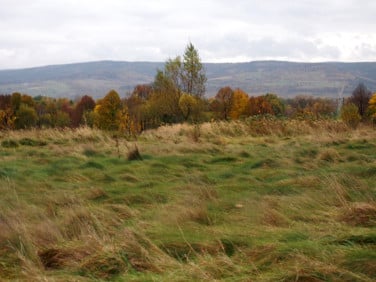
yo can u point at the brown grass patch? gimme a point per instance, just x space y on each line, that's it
97 194
360 214
103 265
78 222
270 214
58 258
330 155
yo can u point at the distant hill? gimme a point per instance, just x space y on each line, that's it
286 79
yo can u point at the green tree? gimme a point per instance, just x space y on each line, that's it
276 103
164 102
107 111
62 119
173 69
193 74
26 117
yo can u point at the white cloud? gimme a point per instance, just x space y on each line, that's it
44 32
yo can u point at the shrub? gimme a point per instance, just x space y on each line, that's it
9 143
350 115
32 142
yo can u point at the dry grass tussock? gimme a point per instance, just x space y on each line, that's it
67 233
78 134
321 129
360 214
83 246
270 214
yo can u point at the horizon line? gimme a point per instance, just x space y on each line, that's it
162 62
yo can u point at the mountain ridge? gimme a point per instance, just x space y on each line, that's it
287 79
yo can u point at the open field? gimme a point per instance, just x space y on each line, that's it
257 201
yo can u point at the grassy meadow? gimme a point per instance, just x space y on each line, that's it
225 201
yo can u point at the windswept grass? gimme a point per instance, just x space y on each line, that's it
261 200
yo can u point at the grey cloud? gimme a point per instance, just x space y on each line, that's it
43 32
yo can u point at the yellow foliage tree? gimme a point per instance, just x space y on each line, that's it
128 124
188 106
239 104
106 112
7 119
372 107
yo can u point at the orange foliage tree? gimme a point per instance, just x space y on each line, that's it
239 104
259 106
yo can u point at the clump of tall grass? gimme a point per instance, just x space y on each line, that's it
360 214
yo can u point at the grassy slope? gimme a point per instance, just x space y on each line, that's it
238 205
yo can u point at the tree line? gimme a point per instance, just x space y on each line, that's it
176 95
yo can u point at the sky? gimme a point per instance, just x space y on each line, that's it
46 32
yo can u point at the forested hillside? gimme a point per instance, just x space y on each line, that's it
282 78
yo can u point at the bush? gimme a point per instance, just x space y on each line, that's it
9 143
32 142
350 115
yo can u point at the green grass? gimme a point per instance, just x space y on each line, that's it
227 207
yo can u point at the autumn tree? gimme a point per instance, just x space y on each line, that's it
239 104
82 111
136 104
259 106
190 107
16 100
276 103
372 107
223 102
323 107
28 100
142 91
6 112
164 103
360 97
42 107
310 107
107 111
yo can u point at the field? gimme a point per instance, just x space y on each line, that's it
243 201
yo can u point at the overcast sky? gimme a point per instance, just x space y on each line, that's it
44 32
